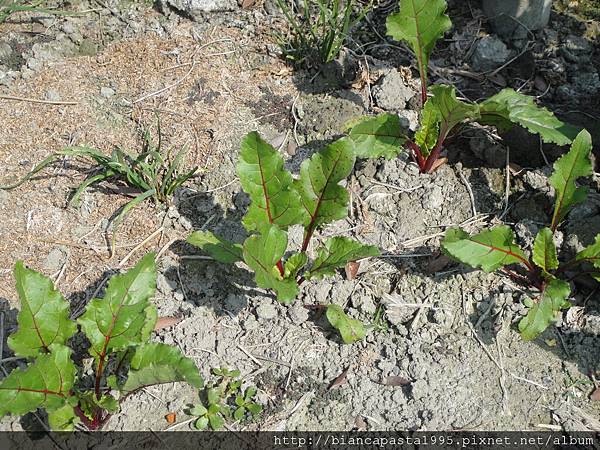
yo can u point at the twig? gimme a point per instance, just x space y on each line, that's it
166 88
137 247
470 190
249 355
34 100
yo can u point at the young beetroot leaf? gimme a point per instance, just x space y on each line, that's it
495 248
118 328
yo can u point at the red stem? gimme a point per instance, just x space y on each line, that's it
423 91
280 267
436 152
416 153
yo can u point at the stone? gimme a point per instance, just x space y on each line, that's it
5 53
392 93
490 53
107 92
298 313
509 17
577 49
433 198
195 8
52 95
266 311
55 260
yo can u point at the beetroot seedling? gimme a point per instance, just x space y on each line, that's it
278 200
495 249
118 328
421 23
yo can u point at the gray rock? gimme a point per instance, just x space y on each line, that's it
107 92
490 53
392 93
235 303
433 198
577 49
55 259
5 53
4 196
195 8
409 119
509 17
266 311
52 96
298 313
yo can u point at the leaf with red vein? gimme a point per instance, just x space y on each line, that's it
44 316
488 250
124 317
269 185
45 383
322 196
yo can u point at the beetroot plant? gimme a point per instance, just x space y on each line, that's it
421 23
123 361
495 249
278 201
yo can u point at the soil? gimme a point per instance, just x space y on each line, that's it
446 354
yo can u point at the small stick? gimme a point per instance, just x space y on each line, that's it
33 100
471 196
137 247
249 355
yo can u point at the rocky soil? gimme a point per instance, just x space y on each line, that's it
442 351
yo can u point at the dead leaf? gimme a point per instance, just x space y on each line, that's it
360 423
171 417
498 79
247 4
166 322
340 380
352 269
292 147
595 395
439 163
394 380
438 264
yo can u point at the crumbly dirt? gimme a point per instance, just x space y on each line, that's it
445 354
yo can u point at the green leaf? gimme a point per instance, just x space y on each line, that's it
336 253
420 23
254 408
544 251
269 185
489 250
323 198
351 330
220 249
216 421
198 410
427 136
510 107
294 264
201 423
124 316
545 310
213 396
379 136
261 253
158 363
44 316
591 254
442 112
576 163
63 419
239 413
44 383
